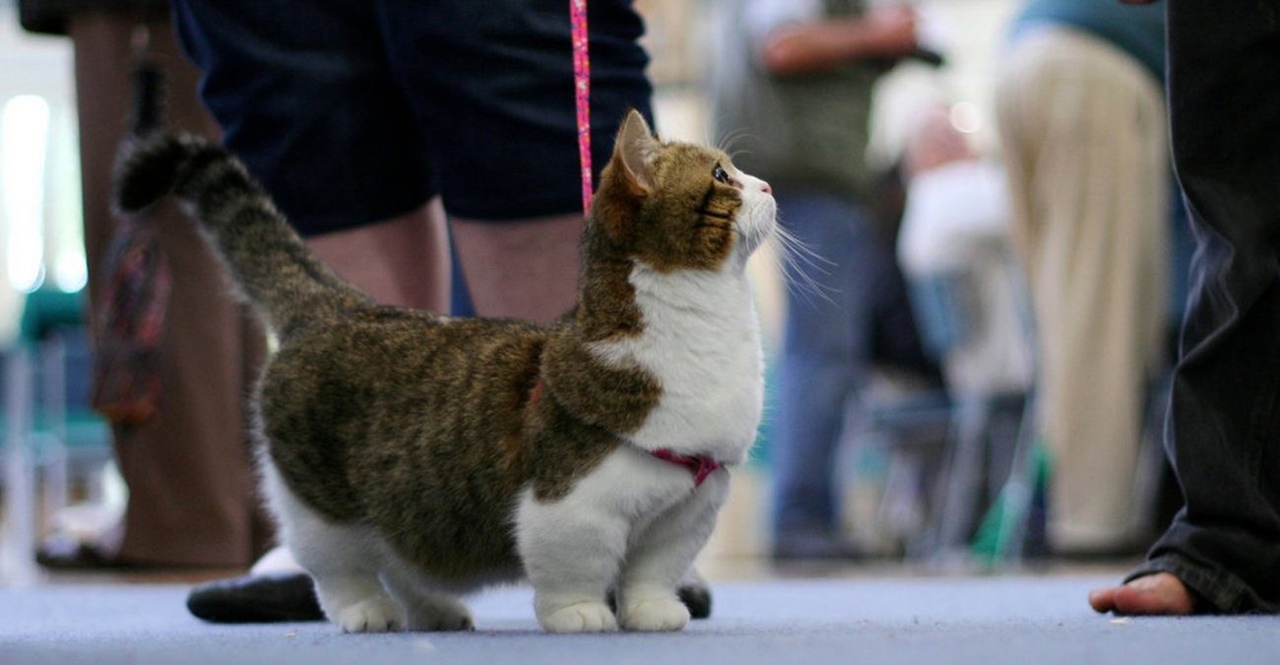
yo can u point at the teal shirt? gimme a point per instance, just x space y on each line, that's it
1137 29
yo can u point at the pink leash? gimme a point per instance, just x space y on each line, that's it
582 95
700 466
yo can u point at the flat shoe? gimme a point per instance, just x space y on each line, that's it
69 555
256 599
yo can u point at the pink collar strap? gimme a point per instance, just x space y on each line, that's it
700 466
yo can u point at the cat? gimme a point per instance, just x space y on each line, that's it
410 458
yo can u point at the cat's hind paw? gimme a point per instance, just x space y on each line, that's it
584 617
447 614
656 615
372 615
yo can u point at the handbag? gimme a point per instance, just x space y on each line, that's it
127 380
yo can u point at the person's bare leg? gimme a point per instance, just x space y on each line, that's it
525 269
400 261
1157 594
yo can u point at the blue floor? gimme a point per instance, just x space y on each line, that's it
983 620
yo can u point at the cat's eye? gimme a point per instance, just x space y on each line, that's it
720 174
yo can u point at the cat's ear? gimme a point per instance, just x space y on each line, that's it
635 148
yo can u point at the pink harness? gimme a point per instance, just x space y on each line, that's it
700 466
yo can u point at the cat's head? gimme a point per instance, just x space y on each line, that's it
679 206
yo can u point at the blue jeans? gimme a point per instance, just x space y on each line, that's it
858 316
1223 431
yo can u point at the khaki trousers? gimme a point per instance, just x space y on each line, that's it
191 489
1083 129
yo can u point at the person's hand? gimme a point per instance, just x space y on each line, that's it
934 143
884 35
891 32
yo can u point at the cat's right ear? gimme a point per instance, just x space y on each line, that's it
635 148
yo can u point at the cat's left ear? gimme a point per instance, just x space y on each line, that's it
636 146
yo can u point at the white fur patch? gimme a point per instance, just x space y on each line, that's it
701 340
635 521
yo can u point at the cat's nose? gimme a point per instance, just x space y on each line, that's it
764 187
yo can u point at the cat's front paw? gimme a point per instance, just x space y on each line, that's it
443 623
372 615
654 615
584 617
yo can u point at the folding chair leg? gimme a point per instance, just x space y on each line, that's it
17 549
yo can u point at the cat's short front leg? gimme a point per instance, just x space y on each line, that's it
570 580
652 608
567 613
662 554
571 549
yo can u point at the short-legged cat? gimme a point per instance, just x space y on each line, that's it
411 457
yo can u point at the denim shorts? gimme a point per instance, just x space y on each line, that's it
355 111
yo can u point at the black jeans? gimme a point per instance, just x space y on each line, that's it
1223 432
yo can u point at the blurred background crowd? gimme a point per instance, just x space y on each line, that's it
965 361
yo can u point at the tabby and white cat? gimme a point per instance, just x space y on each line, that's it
410 457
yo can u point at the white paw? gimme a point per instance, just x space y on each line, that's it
658 614
371 615
441 617
586 617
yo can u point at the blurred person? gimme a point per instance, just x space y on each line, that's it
188 468
955 225
1083 132
1222 551
793 80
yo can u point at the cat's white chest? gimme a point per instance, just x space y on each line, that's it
701 340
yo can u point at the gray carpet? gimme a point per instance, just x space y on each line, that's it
1015 620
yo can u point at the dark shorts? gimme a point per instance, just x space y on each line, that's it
356 111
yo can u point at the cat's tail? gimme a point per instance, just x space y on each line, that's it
268 262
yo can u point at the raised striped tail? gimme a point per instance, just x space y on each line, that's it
268 262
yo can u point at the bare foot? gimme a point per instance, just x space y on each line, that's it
1160 593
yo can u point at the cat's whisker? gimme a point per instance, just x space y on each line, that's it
797 263
728 142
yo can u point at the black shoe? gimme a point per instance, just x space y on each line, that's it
256 599
68 554
65 554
